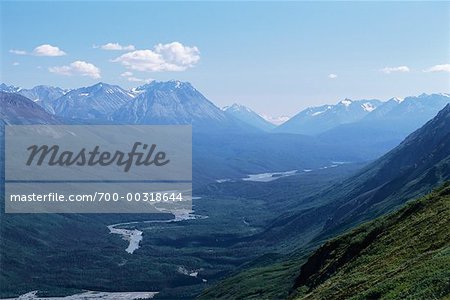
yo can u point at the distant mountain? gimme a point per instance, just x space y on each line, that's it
405 255
42 94
315 120
175 102
389 124
408 114
248 116
17 109
94 102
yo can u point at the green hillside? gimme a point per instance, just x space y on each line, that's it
405 255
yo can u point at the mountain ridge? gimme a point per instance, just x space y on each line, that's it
315 120
248 116
97 101
175 102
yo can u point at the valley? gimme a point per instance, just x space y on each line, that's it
259 211
215 239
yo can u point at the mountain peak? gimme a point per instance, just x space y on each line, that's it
247 115
236 107
165 85
97 101
346 102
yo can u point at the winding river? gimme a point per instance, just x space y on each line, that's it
134 236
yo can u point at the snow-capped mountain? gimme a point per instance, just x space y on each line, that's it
174 102
411 111
9 88
315 120
42 94
94 102
248 116
390 123
17 109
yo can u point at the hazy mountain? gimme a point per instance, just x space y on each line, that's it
389 124
408 114
175 102
315 120
17 109
44 95
94 102
248 116
402 256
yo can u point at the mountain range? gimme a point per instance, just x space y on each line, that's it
248 116
400 116
176 102
315 120
223 146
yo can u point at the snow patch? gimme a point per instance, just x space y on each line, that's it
398 99
368 107
346 102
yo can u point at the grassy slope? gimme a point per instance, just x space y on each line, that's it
405 255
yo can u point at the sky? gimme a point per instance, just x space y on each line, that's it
274 57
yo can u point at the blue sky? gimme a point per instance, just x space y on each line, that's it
276 58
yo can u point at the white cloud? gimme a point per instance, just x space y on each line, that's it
134 79
164 57
15 63
439 68
115 47
389 70
332 76
42 50
48 50
78 67
18 52
129 76
126 74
